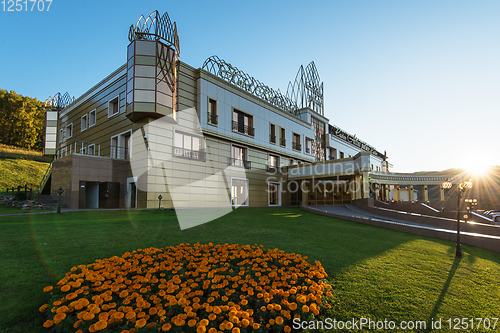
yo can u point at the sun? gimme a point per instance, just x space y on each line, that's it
478 169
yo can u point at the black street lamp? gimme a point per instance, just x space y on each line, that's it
470 204
59 191
462 187
159 204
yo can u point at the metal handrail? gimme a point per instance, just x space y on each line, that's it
243 128
45 177
212 118
240 163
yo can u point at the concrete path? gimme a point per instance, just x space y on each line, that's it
351 212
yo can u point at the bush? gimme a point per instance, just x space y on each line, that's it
199 288
20 196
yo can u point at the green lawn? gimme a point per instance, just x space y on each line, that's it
376 273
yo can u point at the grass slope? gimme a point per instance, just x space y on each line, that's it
376 273
19 167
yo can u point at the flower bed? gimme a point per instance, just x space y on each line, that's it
198 288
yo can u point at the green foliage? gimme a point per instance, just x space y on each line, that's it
21 120
20 196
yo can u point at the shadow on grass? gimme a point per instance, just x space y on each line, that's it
444 291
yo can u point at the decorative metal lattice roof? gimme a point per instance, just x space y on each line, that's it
248 83
155 27
59 101
307 89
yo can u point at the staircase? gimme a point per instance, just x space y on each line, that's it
48 202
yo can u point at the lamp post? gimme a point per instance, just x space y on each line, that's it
471 203
59 191
462 187
159 203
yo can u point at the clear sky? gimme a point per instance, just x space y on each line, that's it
419 79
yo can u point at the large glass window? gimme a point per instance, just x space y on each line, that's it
239 157
188 146
239 192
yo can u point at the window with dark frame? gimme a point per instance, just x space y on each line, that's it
296 142
212 112
243 123
84 123
113 107
69 131
308 145
92 118
282 138
272 133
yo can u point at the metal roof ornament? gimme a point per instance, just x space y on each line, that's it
233 75
307 89
59 101
156 27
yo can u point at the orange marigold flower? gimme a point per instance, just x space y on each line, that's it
140 323
305 308
228 325
59 317
47 289
48 323
288 329
166 327
100 325
279 320
65 288
192 322
130 315
88 316
212 330
43 308
236 330
201 329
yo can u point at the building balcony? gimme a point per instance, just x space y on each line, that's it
189 154
212 118
239 163
283 142
241 128
88 148
272 138
296 146
308 150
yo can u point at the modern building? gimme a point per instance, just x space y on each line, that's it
159 132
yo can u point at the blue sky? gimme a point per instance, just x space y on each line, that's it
420 79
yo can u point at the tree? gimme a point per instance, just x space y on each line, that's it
21 120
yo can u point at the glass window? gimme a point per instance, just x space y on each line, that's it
92 118
239 192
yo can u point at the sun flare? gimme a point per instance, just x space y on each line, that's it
478 169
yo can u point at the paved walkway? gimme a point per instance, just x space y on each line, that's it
355 212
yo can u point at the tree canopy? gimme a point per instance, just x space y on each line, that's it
21 120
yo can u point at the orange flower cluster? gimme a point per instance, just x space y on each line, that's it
199 288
